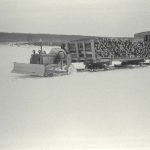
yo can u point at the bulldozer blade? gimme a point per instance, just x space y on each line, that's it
30 69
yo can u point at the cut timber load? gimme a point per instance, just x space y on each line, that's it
84 51
104 54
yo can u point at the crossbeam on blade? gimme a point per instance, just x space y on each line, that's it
30 69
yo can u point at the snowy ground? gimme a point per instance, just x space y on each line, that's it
107 110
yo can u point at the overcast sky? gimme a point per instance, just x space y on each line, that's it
84 17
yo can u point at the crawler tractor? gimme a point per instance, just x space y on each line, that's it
56 62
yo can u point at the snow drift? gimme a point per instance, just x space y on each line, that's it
84 111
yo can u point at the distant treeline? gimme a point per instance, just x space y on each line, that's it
47 39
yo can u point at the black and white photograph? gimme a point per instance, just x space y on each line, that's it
74 75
